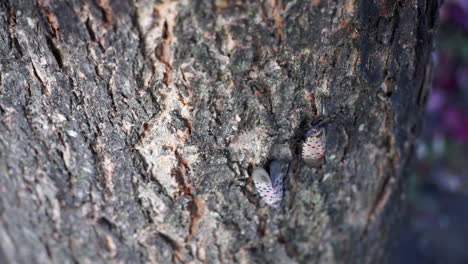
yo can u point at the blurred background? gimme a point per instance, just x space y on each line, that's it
436 230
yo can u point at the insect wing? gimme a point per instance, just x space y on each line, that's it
262 181
275 173
313 147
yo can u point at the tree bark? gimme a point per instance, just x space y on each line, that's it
129 129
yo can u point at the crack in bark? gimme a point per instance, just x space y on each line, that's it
41 78
56 52
107 12
53 22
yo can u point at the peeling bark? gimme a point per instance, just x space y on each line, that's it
129 129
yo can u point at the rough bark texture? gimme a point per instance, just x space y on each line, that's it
129 128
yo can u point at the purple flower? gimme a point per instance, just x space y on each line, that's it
457 123
455 12
436 101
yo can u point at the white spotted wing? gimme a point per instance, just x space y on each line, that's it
269 187
313 147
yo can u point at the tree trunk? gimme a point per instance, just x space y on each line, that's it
129 129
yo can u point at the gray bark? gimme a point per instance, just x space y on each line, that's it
129 128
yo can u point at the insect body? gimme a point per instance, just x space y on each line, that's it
313 147
270 186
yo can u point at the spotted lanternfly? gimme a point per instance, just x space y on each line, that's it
270 186
313 147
